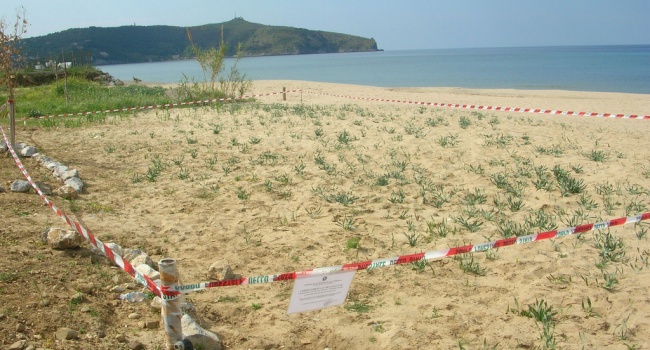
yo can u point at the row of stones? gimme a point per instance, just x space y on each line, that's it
58 238
72 184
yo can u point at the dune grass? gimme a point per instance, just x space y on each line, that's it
83 96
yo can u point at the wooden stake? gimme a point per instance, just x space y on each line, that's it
171 308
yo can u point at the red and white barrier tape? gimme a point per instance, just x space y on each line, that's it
114 257
168 105
405 259
430 104
370 264
170 293
4 105
493 108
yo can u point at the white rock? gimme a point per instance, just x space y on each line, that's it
116 248
66 192
19 345
200 338
75 183
66 334
117 289
28 151
20 186
58 238
147 271
137 257
45 188
100 257
52 164
220 270
42 158
68 174
156 304
58 170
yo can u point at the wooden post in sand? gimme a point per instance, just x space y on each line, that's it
12 123
171 308
284 93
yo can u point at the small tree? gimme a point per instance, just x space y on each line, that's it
9 48
237 84
211 61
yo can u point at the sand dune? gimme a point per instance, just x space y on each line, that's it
321 180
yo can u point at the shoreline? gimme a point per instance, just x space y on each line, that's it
564 100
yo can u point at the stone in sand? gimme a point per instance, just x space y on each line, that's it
75 183
45 188
58 238
66 192
28 151
199 337
20 186
220 270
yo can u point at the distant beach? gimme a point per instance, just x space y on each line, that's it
583 101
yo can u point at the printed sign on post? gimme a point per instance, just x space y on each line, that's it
313 292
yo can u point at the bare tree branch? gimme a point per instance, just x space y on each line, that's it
10 54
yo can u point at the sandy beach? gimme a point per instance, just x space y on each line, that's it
275 186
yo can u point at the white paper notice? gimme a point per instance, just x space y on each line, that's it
313 292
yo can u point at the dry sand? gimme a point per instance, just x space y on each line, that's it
256 184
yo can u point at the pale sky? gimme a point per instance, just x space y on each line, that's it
396 25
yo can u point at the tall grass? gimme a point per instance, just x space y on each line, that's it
89 96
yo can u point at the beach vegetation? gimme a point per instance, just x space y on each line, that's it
494 121
345 198
84 96
498 140
544 318
346 223
344 137
469 265
412 238
553 150
439 120
353 243
464 122
421 265
450 140
398 197
358 307
509 228
597 155
476 169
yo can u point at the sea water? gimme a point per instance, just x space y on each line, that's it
582 68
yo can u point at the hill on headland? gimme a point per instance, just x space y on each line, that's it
134 44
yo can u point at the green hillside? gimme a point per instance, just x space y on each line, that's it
133 44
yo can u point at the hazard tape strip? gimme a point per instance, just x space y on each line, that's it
169 293
4 105
430 104
168 105
94 241
406 259
492 108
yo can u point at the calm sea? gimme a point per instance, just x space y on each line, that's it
586 68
